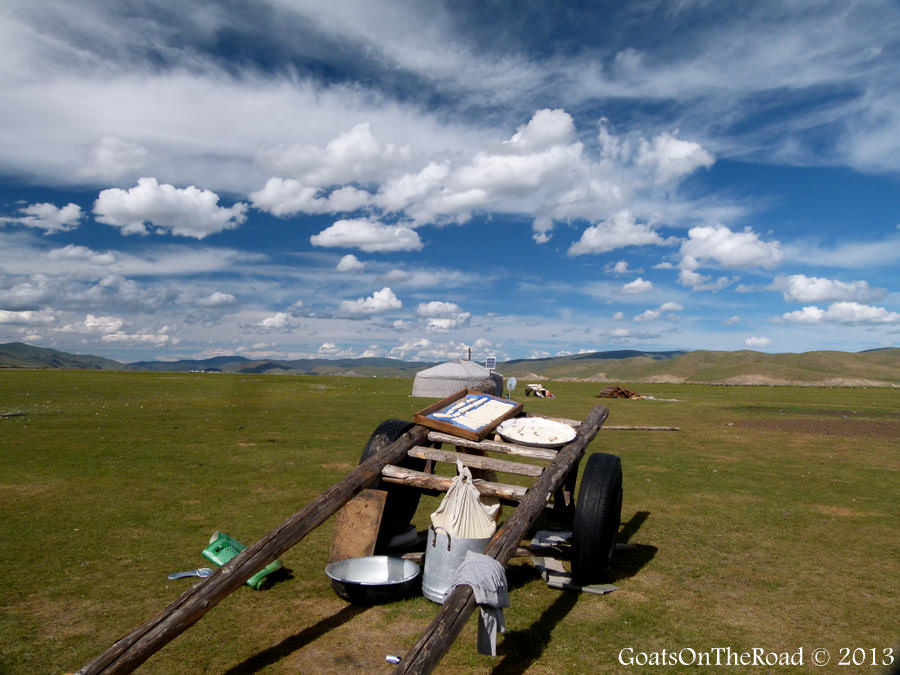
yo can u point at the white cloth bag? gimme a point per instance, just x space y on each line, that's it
462 513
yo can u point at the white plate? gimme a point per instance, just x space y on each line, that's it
536 431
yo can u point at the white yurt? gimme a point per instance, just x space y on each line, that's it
448 378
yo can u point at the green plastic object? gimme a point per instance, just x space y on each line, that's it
223 548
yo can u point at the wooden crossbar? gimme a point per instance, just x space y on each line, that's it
477 461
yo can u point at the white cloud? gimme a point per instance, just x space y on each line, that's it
217 299
647 315
352 156
82 253
437 308
730 249
48 217
188 212
350 263
159 339
368 235
277 321
620 267
380 301
103 324
732 320
288 196
843 312
671 158
619 231
113 158
26 317
801 288
447 323
671 307
639 285
758 341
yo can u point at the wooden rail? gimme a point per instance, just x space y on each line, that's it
477 461
423 656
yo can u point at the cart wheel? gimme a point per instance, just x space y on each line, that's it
597 514
402 501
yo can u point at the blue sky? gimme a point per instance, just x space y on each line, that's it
295 179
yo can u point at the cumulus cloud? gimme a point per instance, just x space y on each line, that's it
48 217
720 245
353 156
842 312
217 299
368 235
437 308
380 301
26 317
289 196
758 341
801 288
350 263
619 231
188 212
671 158
639 285
277 321
103 324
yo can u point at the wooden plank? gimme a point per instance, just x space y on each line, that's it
429 481
132 650
500 447
356 526
477 461
423 656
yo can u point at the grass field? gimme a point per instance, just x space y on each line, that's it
769 521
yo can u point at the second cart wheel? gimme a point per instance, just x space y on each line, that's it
598 511
402 501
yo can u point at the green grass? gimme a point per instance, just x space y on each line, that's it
768 521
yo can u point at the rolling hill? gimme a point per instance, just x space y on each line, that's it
877 367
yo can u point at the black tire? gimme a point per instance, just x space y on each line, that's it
402 501
598 511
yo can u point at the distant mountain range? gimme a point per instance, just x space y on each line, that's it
876 367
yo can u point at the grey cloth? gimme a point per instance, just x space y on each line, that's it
487 578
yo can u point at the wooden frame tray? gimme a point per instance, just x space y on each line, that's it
467 413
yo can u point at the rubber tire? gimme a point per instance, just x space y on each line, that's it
598 511
402 501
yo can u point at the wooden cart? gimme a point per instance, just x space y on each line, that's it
398 458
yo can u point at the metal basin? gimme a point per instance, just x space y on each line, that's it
374 579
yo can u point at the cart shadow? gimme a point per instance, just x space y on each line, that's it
630 559
286 647
521 648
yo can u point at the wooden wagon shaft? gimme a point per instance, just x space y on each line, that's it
132 650
459 605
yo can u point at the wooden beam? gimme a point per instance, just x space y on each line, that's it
423 656
137 646
495 446
477 461
429 481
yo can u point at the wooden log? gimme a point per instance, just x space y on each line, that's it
423 656
477 461
429 481
495 446
137 646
